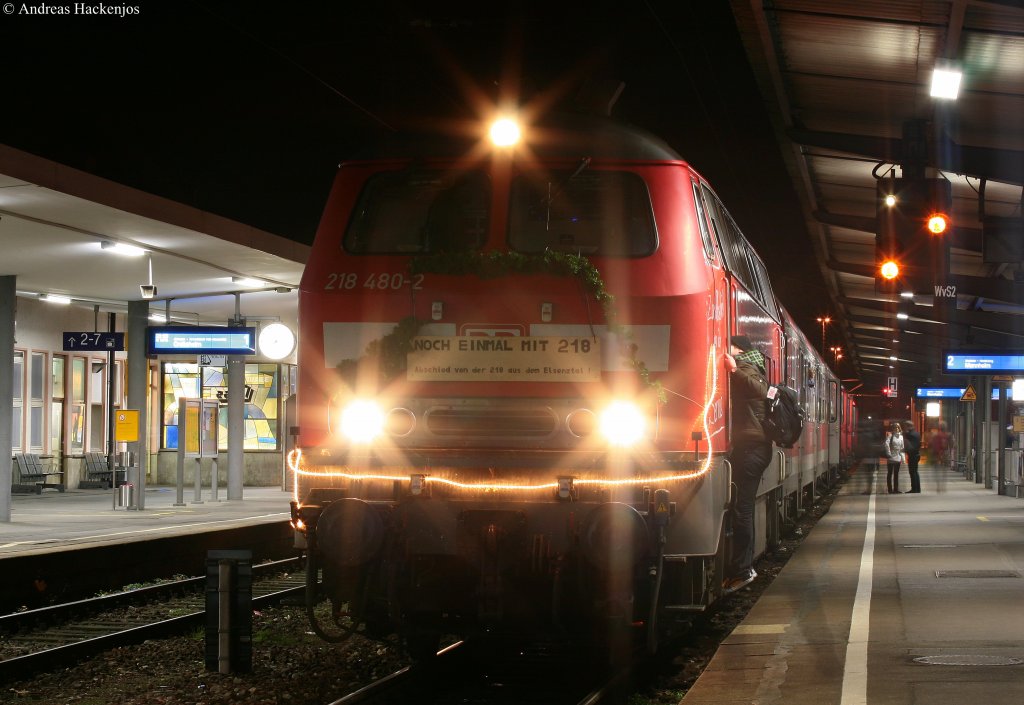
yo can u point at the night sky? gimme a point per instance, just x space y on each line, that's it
245 109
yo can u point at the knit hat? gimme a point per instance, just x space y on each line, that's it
742 342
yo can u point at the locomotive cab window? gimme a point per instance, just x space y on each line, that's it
592 212
418 211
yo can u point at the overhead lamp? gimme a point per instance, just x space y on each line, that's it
56 298
148 291
120 248
248 282
890 200
158 317
893 358
946 82
902 316
907 294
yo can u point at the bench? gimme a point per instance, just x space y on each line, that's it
31 476
97 472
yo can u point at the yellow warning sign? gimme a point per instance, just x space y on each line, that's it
126 425
969 394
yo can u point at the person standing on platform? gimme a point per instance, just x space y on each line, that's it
912 447
750 455
894 455
938 447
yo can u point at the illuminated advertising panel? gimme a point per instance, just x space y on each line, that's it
986 362
200 340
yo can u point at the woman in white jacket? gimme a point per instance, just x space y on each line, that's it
894 454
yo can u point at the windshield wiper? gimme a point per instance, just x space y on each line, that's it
559 187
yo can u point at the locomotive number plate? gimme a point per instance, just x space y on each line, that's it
504 359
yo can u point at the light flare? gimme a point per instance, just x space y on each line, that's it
295 465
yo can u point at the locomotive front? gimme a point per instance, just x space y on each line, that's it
509 408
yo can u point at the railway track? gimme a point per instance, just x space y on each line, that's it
539 673
40 639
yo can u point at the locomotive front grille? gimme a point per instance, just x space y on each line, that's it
490 422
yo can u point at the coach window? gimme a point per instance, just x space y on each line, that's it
731 241
592 212
18 392
705 234
761 274
725 237
416 211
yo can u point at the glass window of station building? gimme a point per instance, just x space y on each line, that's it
262 420
59 408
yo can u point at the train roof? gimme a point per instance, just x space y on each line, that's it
562 135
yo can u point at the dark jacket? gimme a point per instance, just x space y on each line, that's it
749 391
912 442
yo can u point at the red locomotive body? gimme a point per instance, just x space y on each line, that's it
513 408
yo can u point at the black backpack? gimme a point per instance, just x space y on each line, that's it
784 417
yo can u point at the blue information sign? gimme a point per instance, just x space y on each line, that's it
84 341
984 362
946 392
200 340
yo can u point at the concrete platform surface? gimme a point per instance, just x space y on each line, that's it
903 599
55 521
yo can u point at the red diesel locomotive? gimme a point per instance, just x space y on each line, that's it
513 410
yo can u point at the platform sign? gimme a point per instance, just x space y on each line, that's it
952 393
126 425
983 362
200 340
84 341
1018 424
940 392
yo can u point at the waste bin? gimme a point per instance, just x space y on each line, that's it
126 495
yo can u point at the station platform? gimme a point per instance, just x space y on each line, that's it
55 521
892 599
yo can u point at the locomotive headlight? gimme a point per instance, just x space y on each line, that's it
504 132
362 421
622 423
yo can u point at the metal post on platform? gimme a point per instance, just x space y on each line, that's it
179 500
228 611
224 615
111 450
985 398
1001 442
198 496
213 479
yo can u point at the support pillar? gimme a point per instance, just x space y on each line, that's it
138 392
8 310
236 427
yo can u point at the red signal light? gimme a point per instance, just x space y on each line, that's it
890 269
938 223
